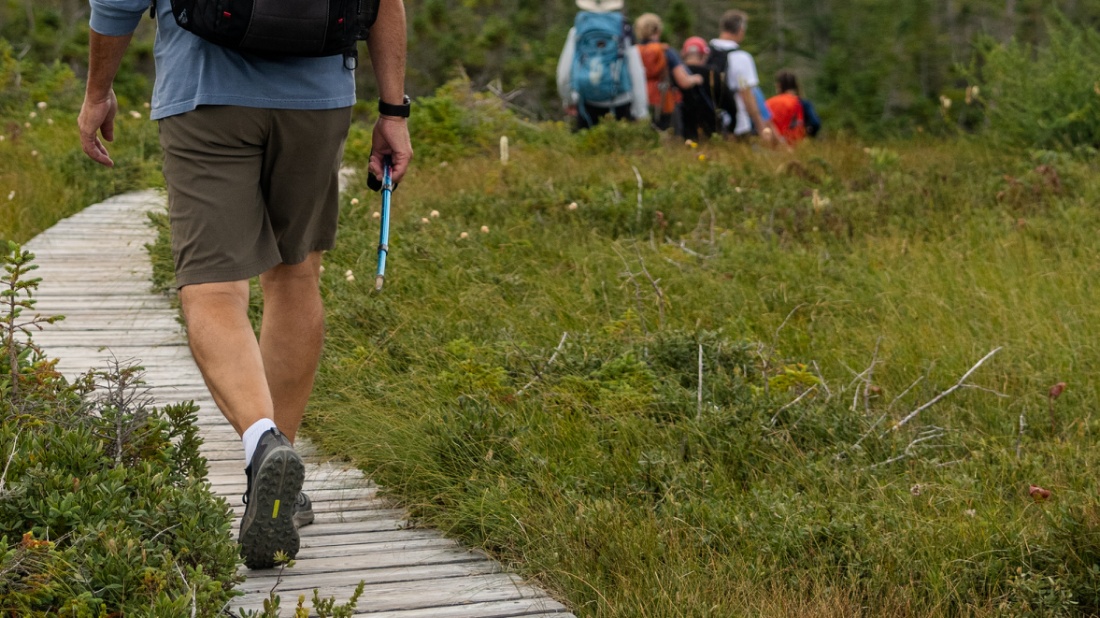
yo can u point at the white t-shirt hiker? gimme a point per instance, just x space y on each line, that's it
742 76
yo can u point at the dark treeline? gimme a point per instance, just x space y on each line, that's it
873 66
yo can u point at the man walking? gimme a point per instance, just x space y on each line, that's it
740 69
252 150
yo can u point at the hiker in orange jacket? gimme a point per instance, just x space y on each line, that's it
665 74
794 116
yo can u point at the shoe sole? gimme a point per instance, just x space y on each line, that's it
268 526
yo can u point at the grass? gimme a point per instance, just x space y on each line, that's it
599 473
832 291
44 175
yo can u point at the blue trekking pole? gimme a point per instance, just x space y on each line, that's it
384 235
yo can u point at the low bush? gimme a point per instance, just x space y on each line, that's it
1043 97
104 507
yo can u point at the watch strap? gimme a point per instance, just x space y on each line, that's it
401 111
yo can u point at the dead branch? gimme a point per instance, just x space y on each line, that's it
550 361
4 475
775 337
683 247
638 175
904 392
637 290
824 385
656 288
699 393
929 434
1020 434
945 393
775 418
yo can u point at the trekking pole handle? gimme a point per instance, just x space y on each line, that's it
384 233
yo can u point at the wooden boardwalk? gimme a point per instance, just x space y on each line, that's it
95 271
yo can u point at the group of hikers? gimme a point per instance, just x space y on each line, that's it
610 67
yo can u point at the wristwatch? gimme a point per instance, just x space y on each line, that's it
400 111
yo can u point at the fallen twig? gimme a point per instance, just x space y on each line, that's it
775 337
550 361
656 288
699 393
947 392
4 476
931 434
824 385
904 392
806 392
1020 434
638 175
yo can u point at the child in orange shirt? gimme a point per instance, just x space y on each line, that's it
789 111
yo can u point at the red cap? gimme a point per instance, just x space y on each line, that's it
695 45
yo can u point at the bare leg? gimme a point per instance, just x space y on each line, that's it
226 351
291 338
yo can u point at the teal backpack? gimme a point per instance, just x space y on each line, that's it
600 72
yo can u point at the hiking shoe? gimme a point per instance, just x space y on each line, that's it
303 510
275 477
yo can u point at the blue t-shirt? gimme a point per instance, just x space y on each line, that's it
193 72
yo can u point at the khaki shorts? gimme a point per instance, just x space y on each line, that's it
249 188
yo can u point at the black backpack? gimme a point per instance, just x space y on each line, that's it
310 28
724 97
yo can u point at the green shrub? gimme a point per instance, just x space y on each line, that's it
1044 97
104 507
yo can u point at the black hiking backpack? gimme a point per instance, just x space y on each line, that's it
310 28
724 97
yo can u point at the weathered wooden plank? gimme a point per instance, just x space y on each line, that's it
377 560
438 574
428 594
365 538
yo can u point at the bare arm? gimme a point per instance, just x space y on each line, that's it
387 46
685 80
97 114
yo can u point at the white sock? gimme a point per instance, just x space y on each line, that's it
252 435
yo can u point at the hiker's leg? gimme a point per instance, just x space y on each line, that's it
291 337
226 350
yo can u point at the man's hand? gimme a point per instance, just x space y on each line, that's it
95 117
97 114
391 137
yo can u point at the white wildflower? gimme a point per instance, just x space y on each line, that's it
435 214
11 196
376 215
135 114
572 206
354 201
34 114
485 229
42 105
463 236
424 220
